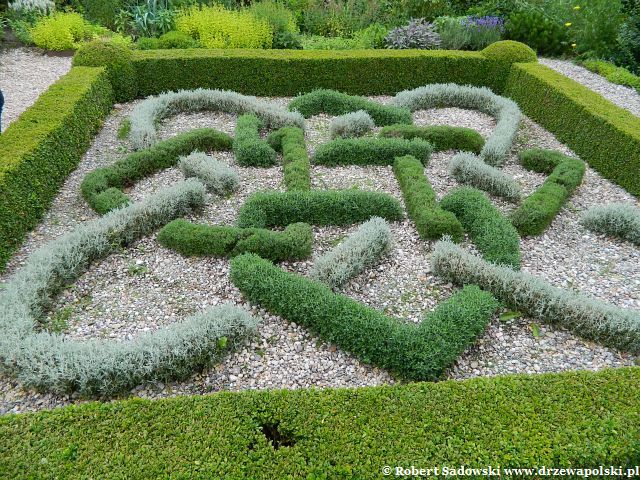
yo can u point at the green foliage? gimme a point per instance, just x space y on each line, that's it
431 221
148 43
617 219
249 148
545 35
175 39
510 51
414 352
117 59
101 12
541 160
60 31
417 34
617 75
101 187
539 209
294 243
371 37
442 137
604 323
494 235
280 19
318 42
340 18
317 207
43 146
295 159
370 151
146 18
333 102
469 169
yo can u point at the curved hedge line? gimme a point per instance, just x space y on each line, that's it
41 148
317 207
442 137
414 352
294 243
370 151
101 188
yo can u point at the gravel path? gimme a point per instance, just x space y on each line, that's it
147 286
24 75
625 97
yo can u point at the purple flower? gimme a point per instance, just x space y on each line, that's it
484 23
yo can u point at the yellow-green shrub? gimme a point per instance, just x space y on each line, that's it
216 27
61 31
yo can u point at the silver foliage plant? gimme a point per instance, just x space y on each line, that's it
56 363
360 250
353 124
468 169
620 220
149 112
418 33
218 177
40 6
505 111
588 318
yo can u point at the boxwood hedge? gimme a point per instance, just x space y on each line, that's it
442 137
295 159
370 151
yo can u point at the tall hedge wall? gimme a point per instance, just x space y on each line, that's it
578 419
605 136
41 148
287 73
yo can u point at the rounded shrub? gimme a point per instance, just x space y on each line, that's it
118 60
510 51
176 39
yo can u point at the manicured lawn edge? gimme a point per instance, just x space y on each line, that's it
41 148
579 419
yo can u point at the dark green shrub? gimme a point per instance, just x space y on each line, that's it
442 137
370 151
541 160
414 352
117 59
546 36
175 39
294 243
101 187
250 149
509 51
332 102
317 207
295 160
101 12
494 235
539 209
148 43
430 220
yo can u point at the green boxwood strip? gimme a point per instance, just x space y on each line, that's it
588 318
249 148
295 159
317 207
415 352
338 433
431 221
442 137
541 160
101 187
294 243
336 103
370 151
493 234
43 146
539 209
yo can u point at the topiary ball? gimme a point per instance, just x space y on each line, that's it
510 51
118 60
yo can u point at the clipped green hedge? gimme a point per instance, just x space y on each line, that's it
317 207
412 351
602 134
288 73
370 151
41 148
574 419
295 159
431 221
442 137
102 187
294 243
249 148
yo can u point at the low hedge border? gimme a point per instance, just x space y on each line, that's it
41 148
540 208
295 159
420 199
293 243
249 148
337 433
442 137
493 234
414 352
317 207
370 151
621 220
101 188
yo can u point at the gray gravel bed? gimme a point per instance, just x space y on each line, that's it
147 286
24 75
625 97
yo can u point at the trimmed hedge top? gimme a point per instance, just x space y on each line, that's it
511 52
